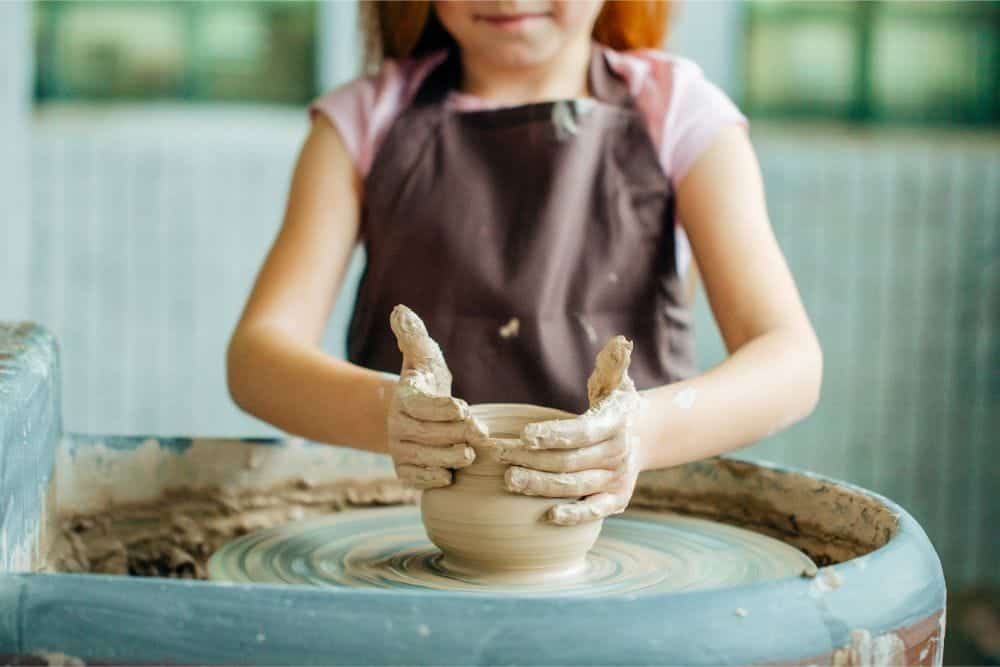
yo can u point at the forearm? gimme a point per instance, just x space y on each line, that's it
767 384
305 392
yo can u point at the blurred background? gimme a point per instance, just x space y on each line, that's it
146 151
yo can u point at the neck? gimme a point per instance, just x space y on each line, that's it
563 76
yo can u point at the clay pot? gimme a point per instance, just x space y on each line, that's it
487 532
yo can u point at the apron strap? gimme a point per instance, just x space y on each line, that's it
605 84
445 77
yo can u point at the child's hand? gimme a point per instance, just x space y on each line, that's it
429 430
593 455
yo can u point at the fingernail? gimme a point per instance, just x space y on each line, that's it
563 515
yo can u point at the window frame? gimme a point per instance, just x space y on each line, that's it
193 87
861 20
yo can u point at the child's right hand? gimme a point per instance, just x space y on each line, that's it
429 430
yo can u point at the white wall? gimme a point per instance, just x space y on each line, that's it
15 130
340 43
149 227
710 33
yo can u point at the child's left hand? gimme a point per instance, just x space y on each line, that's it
593 457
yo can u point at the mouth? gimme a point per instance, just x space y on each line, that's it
513 22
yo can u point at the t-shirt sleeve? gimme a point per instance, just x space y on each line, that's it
696 111
684 112
362 111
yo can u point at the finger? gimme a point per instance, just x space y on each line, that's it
423 478
419 350
591 508
610 370
558 485
609 455
418 379
585 430
411 335
406 428
455 456
421 405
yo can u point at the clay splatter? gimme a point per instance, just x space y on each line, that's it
826 580
511 329
686 398
54 658
880 651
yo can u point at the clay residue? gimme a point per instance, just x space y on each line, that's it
868 651
828 522
511 329
918 643
175 535
56 659
826 580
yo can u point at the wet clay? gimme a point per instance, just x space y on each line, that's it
639 552
830 522
175 535
489 533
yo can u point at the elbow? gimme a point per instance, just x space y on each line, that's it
811 365
239 372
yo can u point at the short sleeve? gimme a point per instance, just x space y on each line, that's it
696 111
684 112
364 109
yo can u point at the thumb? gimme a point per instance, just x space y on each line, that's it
421 354
610 371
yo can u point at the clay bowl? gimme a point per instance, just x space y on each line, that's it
486 532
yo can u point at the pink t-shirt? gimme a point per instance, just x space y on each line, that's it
683 110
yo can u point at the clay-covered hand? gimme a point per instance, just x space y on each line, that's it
593 457
429 430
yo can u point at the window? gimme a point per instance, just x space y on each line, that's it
210 50
878 61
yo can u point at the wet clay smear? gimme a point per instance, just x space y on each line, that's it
175 535
639 552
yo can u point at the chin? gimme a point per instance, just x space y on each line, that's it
520 54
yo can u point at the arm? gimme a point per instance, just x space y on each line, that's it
276 370
771 378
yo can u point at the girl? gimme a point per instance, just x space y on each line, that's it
532 177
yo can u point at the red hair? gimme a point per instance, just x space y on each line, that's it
408 28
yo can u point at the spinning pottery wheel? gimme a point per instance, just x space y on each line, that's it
639 552
502 542
877 598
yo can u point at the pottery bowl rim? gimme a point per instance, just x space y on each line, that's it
511 413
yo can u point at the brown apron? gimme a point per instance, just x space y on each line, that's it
525 237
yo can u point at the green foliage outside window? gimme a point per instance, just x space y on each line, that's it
898 61
207 50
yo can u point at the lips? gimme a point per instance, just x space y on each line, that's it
512 21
